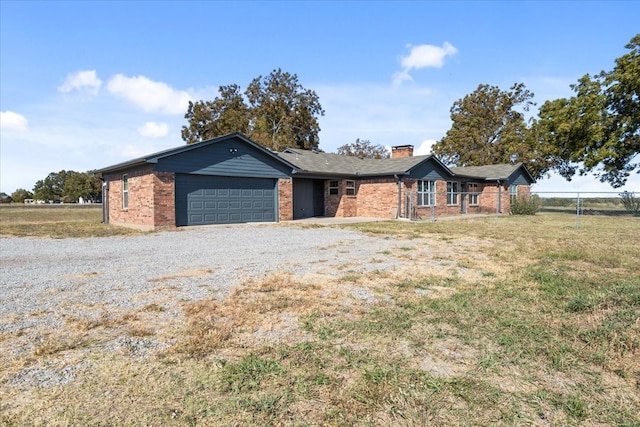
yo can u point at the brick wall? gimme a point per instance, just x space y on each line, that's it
378 198
151 199
285 199
401 151
488 198
340 205
164 203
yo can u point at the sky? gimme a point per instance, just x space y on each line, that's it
88 84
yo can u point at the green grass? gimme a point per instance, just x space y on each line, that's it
546 332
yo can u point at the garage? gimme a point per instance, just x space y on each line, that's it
202 199
225 180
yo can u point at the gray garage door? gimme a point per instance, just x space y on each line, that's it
204 199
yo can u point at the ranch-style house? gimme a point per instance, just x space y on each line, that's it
232 179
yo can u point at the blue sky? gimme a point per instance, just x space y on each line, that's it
84 85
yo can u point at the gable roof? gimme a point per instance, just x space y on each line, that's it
500 172
314 163
154 157
318 163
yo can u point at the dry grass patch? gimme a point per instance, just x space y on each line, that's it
183 274
57 222
518 336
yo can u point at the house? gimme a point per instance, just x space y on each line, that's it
231 179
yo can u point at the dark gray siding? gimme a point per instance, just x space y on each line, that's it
202 199
308 198
429 170
518 178
232 157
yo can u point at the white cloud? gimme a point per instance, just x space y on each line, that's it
154 130
149 95
424 148
422 56
81 81
13 121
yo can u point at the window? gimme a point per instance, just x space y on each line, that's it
426 193
513 191
473 190
333 188
125 191
351 188
452 193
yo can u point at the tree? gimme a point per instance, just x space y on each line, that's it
276 111
67 186
80 184
365 149
51 187
597 130
225 114
21 194
489 129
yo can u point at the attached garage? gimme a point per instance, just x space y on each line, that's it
202 199
226 180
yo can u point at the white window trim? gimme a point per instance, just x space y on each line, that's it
350 187
334 191
125 191
430 194
474 195
453 195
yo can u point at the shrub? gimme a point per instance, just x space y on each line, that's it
630 202
525 205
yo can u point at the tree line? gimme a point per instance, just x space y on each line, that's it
595 131
64 186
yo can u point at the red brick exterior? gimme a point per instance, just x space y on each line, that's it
151 202
401 151
151 199
285 199
378 198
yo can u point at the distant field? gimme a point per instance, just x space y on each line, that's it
530 322
57 221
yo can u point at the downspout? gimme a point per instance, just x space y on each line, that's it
105 201
399 212
499 204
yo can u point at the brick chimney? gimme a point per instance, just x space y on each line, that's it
401 151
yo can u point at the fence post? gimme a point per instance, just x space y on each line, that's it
578 212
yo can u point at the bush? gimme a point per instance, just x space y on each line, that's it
525 205
20 194
630 203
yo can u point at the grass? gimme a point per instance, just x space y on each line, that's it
540 327
57 222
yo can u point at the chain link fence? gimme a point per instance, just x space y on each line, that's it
444 205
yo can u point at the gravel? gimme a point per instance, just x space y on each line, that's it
42 281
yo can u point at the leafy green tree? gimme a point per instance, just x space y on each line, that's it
597 130
67 186
21 194
226 114
284 114
365 149
80 184
50 188
275 111
489 128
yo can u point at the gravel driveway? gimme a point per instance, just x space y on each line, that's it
44 280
